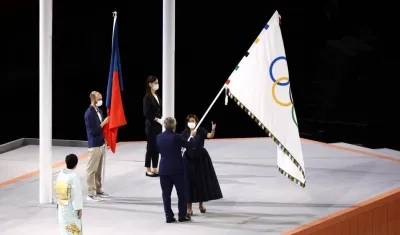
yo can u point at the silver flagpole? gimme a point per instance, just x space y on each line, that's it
106 148
45 101
103 173
168 59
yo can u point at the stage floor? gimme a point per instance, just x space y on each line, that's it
257 198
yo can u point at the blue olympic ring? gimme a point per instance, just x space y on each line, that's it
271 74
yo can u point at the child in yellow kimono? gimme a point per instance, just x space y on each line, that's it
69 198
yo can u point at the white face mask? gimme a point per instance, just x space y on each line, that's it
191 125
155 87
99 103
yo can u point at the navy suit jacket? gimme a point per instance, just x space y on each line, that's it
169 145
94 131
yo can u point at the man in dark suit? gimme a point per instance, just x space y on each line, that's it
95 121
171 171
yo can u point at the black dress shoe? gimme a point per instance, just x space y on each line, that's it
150 174
171 220
184 219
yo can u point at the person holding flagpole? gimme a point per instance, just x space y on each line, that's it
95 121
201 180
172 170
152 110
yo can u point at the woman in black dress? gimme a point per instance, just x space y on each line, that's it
153 125
201 181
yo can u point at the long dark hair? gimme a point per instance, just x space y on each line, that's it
150 79
187 120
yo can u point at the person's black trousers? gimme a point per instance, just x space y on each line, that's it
152 155
167 182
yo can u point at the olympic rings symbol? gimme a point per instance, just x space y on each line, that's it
271 74
282 81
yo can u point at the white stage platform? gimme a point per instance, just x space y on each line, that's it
257 198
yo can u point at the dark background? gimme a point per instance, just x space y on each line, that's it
341 54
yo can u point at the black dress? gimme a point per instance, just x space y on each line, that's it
201 181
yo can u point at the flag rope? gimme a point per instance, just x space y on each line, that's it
264 128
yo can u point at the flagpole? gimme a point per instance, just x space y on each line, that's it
103 173
208 110
45 101
168 65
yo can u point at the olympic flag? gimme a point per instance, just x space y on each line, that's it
260 85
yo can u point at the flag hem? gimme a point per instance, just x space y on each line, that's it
264 128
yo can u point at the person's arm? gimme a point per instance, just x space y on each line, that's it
211 134
92 127
185 143
148 111
76 195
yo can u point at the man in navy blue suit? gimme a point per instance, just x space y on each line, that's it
171 171
95 121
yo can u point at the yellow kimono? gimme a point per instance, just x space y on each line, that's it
69 200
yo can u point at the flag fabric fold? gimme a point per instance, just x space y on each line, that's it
115 109
260 86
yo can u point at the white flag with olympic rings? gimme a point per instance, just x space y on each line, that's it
260 85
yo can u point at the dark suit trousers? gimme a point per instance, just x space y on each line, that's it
167 183
152 154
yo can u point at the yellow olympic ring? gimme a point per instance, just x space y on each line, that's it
274 95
